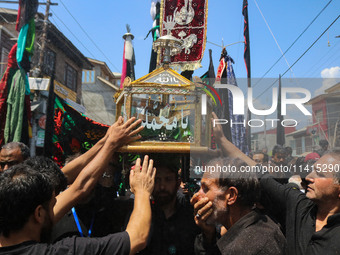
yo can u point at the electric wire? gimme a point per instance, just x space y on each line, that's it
89 37
295 41
98 118
319 62
301 55
89 99
290 67
72 33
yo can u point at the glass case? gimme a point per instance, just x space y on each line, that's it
170 108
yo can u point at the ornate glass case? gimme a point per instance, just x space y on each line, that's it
170 107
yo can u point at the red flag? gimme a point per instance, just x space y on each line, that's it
123 69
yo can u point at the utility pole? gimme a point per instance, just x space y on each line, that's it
43 38
38 71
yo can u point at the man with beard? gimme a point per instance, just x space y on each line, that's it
27 200
228 198
173 229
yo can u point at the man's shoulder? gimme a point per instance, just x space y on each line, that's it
266 225
258 235
29 247
118 243
267 235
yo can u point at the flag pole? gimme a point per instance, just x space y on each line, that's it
280 131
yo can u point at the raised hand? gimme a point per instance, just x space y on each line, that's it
122 133
142 178
217 130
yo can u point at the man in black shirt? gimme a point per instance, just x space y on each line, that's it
26 207
312 219
173 229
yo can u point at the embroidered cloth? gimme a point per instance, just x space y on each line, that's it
186 20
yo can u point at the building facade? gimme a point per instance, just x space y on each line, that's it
98 88
62 63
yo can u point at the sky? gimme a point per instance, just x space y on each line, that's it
104 23
97 27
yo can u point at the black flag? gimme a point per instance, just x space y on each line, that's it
246 37
155 34
247 61
209 76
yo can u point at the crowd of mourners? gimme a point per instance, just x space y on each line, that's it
77 209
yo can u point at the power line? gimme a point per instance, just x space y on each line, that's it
318 63
78 96
73 34
89 37
294 41
313 44
290 67
300 56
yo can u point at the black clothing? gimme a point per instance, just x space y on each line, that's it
113 244
175 235
300 221
254 233
107 213
275 212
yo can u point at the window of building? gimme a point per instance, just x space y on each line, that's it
70 77
88 76
49 62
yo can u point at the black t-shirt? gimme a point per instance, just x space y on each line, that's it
112 244
300 221
105 220
175 235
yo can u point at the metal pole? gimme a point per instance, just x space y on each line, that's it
34 136
44 37
265 132
248 128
